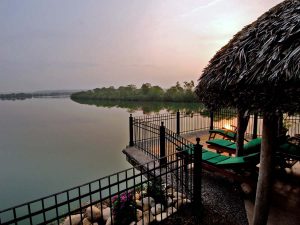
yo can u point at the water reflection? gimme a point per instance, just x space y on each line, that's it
157 107
146 107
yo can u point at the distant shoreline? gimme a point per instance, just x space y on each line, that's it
23 96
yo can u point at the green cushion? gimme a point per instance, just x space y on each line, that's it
220 142
223 132
290 149
240 160
252 146
209 155
218 159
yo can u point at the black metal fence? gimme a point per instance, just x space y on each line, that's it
155 140
182 123
149 192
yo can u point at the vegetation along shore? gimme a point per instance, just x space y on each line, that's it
147 92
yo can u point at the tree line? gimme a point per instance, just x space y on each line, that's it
147 92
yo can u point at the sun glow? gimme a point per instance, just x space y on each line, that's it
227 126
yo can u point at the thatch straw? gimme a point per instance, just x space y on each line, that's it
259 69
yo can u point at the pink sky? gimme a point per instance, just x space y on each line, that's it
71 44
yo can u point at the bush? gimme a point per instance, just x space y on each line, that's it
123 208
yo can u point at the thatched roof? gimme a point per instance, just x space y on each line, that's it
259 69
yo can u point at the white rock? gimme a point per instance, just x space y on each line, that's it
132 223
180 202
148 218
139 214
170 192
158 208
147 202
86 222
93 211
104 206
161 216
170 201
75 220
108 222
106 213
171 210
178 195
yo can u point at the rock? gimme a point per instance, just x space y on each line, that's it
171 210
158 208
108 222
106 213
170 201
75 220
104 206
93 213
180 202
161 216
178 195
147 202
246 188
170 192
139 214
86 222
132 223
147 218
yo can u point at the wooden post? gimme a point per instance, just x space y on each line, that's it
131 143
280 130
211 115
254 132
242 122
264 183
162 136
197 177
178 122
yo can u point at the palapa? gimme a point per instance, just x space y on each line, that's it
259 71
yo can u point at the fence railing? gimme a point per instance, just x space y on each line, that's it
155 140
181 122
148 192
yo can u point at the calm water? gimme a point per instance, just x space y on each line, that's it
48 145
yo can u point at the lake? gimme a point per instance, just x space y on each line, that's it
48 145
51 144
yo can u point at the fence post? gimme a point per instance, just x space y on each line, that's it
254 133
178 122
162 141
131 143
211 114
197 178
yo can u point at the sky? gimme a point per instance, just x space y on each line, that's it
84 44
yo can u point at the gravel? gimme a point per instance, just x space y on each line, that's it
222 202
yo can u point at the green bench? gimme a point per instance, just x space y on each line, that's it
250 147
227 134
217 159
